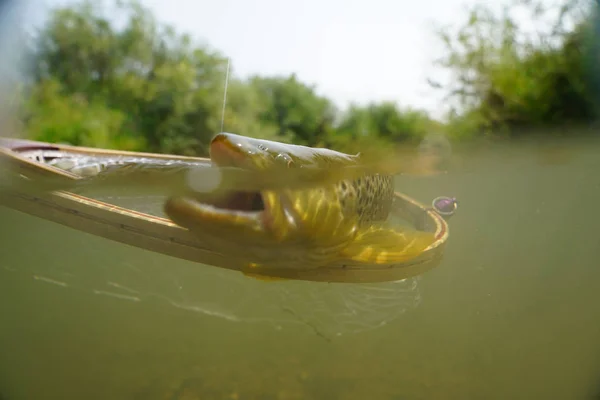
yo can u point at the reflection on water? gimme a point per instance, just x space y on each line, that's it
512 312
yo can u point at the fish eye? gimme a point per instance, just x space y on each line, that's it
262 147
285 159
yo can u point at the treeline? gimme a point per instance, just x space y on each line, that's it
140 85
508 80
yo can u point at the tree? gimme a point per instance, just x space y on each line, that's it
386 121
295 109
120 79
166 87
505 77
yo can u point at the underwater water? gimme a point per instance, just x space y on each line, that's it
512 312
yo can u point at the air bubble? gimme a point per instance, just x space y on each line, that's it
204 180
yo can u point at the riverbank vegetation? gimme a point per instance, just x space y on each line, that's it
141 85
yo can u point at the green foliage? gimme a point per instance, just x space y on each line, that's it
162 86
294 108
387 121
61 117
138 85
506 80
243 110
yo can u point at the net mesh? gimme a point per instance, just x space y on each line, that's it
99 268
123 273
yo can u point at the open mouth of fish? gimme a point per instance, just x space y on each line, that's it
236 202
234 208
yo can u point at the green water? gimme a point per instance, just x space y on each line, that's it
513 312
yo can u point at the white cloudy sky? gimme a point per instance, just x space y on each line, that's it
353 50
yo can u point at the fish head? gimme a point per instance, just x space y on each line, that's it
231 150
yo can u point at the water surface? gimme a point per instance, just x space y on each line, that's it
513 312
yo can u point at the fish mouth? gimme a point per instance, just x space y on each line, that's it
223 152
235 209
236 201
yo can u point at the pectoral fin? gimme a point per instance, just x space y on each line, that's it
381 245
313 218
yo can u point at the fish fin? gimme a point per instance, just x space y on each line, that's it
380 245
313 217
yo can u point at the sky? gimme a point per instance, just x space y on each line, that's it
352 50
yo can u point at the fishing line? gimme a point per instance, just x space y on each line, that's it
225 94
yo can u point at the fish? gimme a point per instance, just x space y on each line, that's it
267 205
148 176
333 223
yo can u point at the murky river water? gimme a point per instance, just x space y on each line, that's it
513 312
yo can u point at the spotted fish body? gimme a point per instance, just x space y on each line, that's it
368 199
339 224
